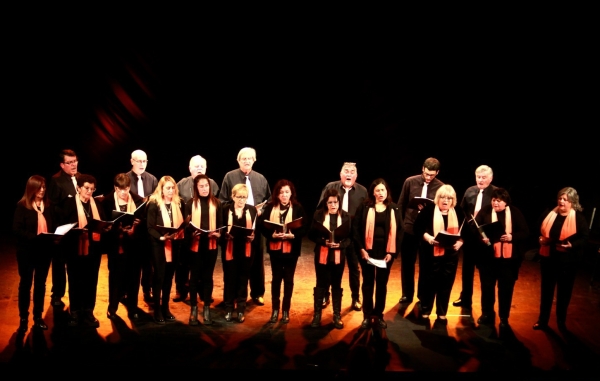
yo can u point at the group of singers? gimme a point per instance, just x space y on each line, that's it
166 231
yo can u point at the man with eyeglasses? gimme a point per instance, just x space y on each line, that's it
185 187
62 186
352 195
423 185
474 198
143 184
258 193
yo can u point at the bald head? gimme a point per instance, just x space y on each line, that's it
197 166
139 161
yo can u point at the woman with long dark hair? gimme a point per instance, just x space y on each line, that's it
206 214
376 229
33 216
283 246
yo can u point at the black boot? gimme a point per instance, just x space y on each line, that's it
318 300
206 314
274 316
325 299
194 315
336 300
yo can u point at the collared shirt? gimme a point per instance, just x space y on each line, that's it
150 183
260 187
356 195
412 188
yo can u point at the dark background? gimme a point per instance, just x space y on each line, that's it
307 95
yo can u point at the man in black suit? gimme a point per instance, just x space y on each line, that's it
62 186
143 184
423 185
474 198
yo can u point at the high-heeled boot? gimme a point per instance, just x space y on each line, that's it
165 309
274 316
318 306
336 301
206 314
194 315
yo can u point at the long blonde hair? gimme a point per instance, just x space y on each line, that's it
157 195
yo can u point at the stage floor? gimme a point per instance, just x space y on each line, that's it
407 345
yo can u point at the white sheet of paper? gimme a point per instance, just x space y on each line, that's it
377 262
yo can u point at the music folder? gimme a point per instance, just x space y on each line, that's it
446 239
416 201
493 230
280 228
335 236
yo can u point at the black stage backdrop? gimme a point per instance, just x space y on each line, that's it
306 102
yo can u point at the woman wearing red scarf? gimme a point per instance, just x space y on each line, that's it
438 263
33 216
236 251
564 232
501 263
283 247
330 256
164 209
205 213
376 230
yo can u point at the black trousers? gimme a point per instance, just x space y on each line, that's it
202 265
33 270
163 273
375 281
408 256
236 274
329 274
59 271
500 272
560 276
438 278
183 270
283 268
82 272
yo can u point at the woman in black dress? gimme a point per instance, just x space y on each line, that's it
330 257
376 229
164 209
236 252
283 247
33 216
205 213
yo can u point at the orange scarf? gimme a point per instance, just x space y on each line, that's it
370 231
177 221
275 217
503 249
229 250
42 226
84 243
438 226
569 228
324 251
212 225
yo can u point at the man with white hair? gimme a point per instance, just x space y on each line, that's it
475 197
186 185
258 193
186 192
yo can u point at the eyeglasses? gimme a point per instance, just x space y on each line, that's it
89 189
141 161
332 202
240 197
446 198
72 162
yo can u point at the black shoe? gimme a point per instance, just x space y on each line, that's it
285 317
39 324
158 317
206 315
382 324
23 325
504 323
366 323
540 326
111 314
228 316
274 317
356 304
73 319
194 316
405 300
485 320
168 315
337 321
241 318
90 320
259 300
316 321
461 303
57 302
